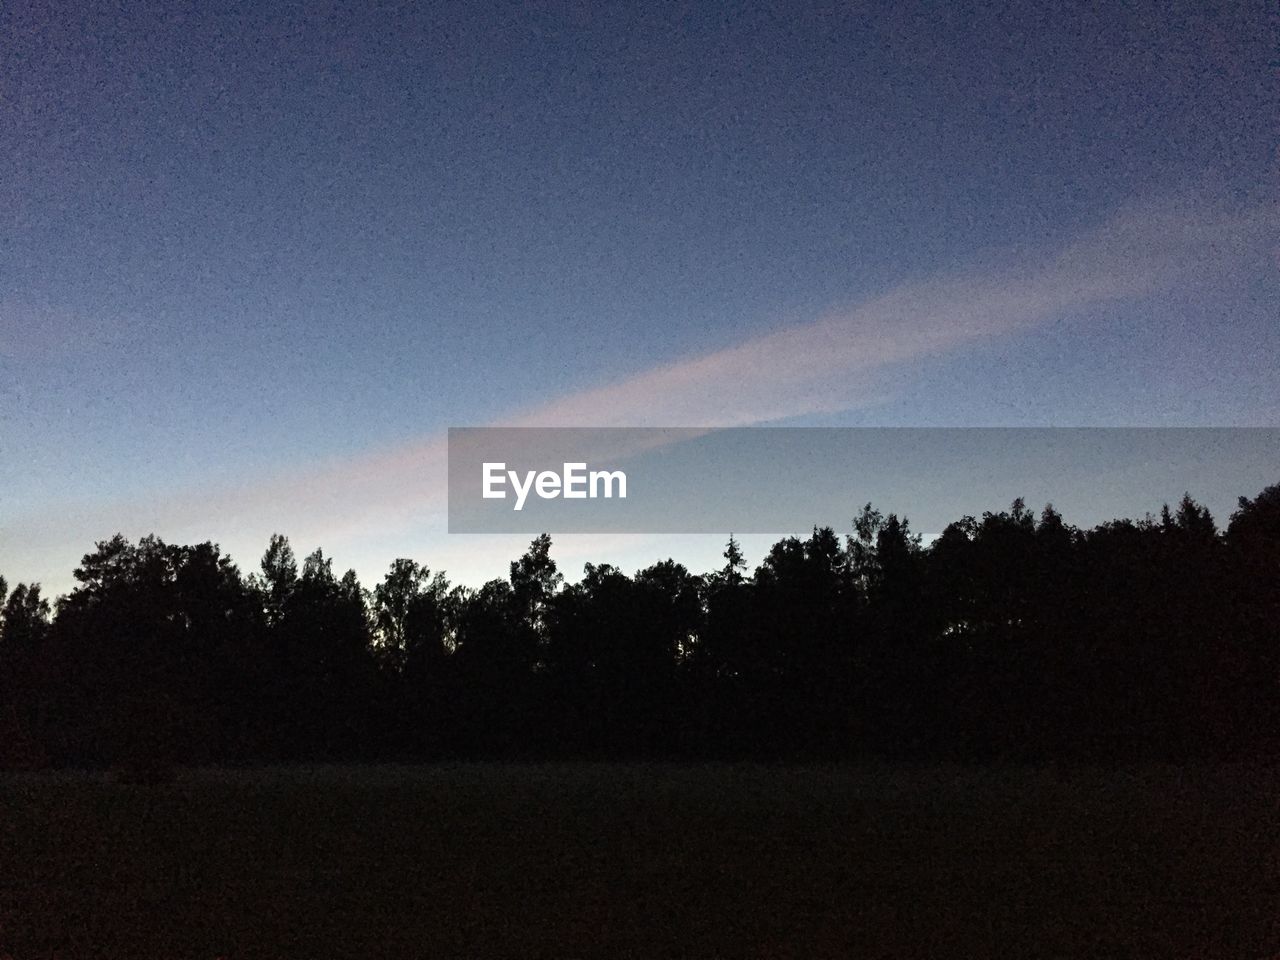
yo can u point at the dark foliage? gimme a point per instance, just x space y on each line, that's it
1010 638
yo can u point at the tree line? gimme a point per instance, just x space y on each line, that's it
1013 637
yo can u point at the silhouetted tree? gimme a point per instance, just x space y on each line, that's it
413 611
24 630
155 643
325 676
1009 638
534 581
1251 677
24 620
279 577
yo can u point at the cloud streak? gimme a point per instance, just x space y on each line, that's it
827 365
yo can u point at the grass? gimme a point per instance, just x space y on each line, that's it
642 861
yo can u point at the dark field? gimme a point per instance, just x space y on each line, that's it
642 861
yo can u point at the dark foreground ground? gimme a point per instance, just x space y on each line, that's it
642 861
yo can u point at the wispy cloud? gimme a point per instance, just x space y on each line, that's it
829 364
826 365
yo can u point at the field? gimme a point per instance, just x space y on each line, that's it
642 861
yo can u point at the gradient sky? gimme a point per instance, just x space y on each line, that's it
256 258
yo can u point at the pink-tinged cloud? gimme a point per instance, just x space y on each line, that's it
827 365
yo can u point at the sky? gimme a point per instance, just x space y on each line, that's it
257 258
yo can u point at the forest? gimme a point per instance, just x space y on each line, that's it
1010 638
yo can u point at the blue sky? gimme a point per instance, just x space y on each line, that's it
251 248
